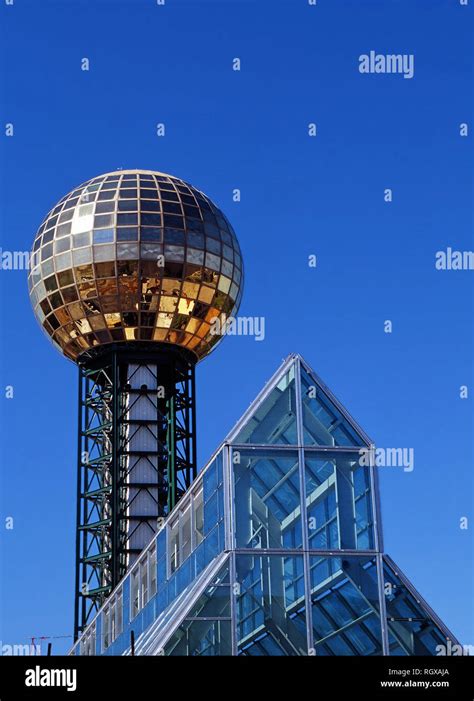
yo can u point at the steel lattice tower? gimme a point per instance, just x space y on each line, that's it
137 457
130 272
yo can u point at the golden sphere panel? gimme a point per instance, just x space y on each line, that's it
135 256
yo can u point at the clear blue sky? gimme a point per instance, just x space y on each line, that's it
300 196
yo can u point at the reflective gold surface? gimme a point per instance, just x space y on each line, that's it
134 255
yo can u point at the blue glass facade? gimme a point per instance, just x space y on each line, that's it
276 549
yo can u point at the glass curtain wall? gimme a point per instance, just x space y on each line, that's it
276 549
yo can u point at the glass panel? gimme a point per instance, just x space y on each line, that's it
323 423
135 593
345 606
87 644
213 494
119 610
267 499
185 521
152 570
173 540
271 618
105 628
198 507
144 582
113 621
412 629
215 601
338 502
274 421
201 638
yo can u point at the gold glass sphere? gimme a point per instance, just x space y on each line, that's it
135 255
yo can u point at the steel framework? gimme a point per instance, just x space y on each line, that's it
136 458
275 550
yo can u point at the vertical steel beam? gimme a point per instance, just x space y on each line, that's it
77 601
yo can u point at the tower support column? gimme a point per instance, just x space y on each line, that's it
136 458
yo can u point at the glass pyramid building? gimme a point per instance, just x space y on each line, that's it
276 548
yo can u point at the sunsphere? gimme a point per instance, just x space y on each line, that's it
135 255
